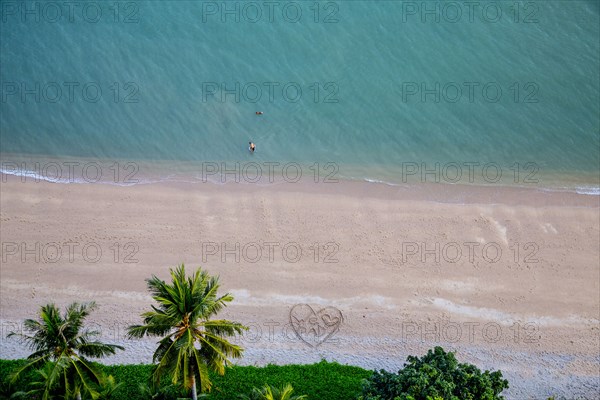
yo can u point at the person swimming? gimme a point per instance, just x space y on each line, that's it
252 147
259 113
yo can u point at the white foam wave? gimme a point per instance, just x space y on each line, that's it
593 191
38 177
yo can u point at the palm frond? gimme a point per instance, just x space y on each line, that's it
86 376
33 364
98 349
202 371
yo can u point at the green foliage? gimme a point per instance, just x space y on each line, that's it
273 393
192 344
320 381
437 375
131 376
109 387
151 391
7 367
60 345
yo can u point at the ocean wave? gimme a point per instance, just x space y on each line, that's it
38 177
585 190
593 191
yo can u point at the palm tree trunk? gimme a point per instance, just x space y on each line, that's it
194 394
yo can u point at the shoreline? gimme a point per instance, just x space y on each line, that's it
395 274
438 193
257 172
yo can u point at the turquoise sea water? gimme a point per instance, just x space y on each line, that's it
376 87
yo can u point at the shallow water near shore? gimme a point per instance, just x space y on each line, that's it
437 182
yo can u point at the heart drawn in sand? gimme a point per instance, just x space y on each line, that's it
314 328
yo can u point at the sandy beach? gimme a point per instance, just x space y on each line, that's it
508 278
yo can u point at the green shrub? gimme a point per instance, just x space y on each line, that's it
320 381
131 376
437 375
273 393
6 367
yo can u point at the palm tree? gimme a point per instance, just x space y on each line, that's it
270 393
182 319
60 345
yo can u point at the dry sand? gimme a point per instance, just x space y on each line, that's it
515 286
